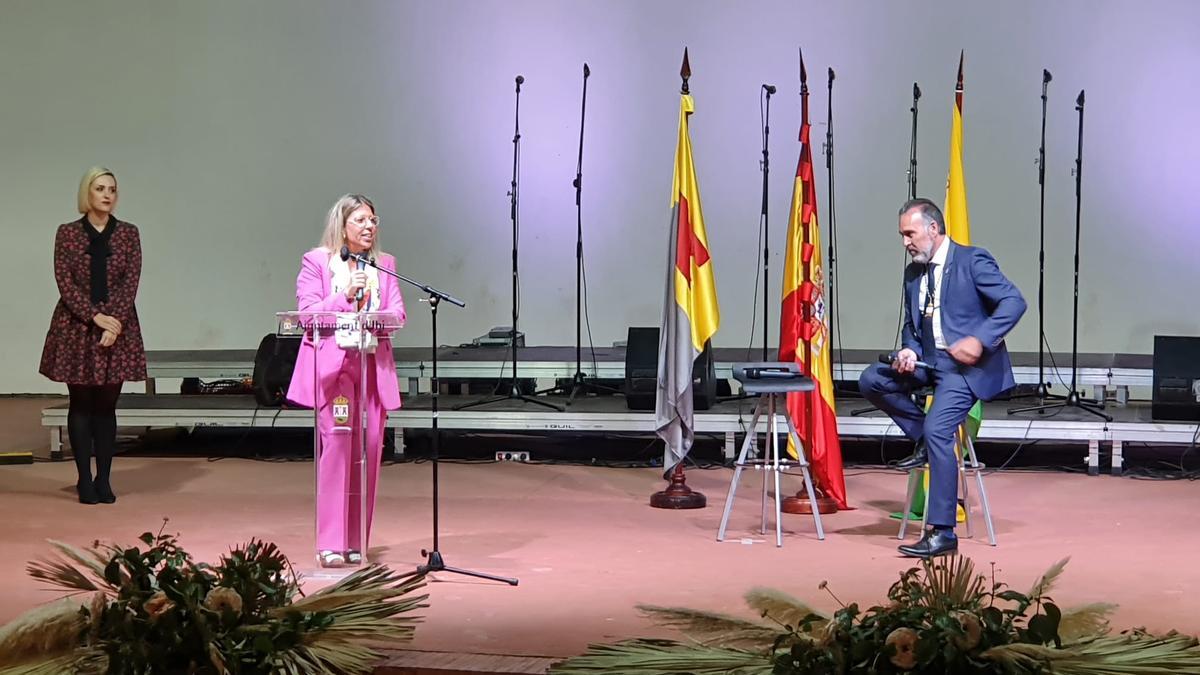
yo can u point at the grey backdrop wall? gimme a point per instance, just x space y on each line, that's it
232 126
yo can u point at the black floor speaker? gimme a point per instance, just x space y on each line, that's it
641 372
1176 393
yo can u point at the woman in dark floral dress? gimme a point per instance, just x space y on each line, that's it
95 341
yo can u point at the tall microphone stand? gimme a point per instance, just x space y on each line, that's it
912 194
763 226
1073 399
766 173
434 563
912 146
835 326
580 383
514 389
1043 388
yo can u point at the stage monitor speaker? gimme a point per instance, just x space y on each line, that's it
274 362
1176 393
641 372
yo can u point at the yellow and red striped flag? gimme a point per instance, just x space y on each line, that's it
690 313
804 326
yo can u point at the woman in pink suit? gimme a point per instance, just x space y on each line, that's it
328 283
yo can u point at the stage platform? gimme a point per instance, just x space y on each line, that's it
587 547
1131 423
1101 372
1104 373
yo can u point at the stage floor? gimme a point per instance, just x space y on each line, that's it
587 547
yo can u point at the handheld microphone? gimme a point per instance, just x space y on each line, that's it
362 265
359 262
1079 101
770 89
1046 76
916 91
889 359
520 81
771 373
586 71
831 75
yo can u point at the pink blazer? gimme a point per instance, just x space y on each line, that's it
313 293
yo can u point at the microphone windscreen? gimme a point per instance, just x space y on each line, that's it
345 254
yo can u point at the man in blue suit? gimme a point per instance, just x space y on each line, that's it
958 308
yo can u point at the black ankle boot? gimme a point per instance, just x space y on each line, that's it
104 492
87 491
104 430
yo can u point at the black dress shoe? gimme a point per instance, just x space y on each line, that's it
934 543
916 460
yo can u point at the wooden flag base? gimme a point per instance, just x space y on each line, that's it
678 495
801 504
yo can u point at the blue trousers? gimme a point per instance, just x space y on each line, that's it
952 400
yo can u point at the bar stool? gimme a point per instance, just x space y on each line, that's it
968 463
772 382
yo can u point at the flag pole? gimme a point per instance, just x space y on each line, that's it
800 502
678 495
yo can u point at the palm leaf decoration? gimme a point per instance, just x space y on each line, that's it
664 657
42 639
713 630
942 617
784 609
1086 621
241 614
1045 583
1134 653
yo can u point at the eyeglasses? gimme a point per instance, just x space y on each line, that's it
362 222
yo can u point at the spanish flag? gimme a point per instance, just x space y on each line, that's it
804 326
690 314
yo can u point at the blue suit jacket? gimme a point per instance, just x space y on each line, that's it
977 299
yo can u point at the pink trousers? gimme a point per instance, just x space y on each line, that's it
339 469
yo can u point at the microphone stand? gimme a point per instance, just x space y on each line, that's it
514 389
580 383
766 173
912 194
434 563
1043 388
912 146
763 220
1073 400
835 326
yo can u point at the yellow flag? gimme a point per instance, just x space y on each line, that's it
958 224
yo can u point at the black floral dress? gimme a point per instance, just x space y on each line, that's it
72 351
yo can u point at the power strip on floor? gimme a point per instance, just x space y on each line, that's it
512 456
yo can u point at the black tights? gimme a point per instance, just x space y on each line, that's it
92 428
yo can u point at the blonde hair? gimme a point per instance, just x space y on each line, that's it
334 237
85 185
